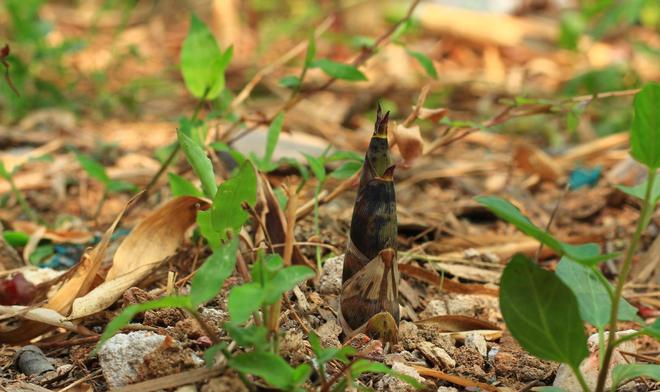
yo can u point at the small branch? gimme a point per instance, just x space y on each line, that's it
359 60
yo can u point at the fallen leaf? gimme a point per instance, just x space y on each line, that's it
434 115
153 240
57 236
78 282
410 143
454 323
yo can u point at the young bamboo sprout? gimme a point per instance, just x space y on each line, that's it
369 300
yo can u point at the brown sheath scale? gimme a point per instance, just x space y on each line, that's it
369 300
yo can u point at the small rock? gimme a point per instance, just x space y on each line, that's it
436 355
122 353
476 341
225 383
408 335
331 275
31 360
293 347
446 389
393 384
329 334
216 317
590 367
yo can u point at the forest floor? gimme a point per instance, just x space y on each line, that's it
452 250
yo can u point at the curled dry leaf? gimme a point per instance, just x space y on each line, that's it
153 240
57 236
434 115
78 283
410 143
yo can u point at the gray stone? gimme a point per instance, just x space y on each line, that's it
393 384
330 281
122 353
477 342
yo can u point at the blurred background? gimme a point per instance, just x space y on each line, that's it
118 59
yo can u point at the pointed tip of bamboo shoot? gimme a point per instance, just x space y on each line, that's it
380 129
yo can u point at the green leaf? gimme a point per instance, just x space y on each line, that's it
362 366
311 50
316 164
639 191
273 136
508 212
202 62
593 299
346 170
301 374
93 168
200 163
272 368
425 62
401 29
254 336
284 280
3 172
15 238
243 300
645 133
324 355
121 186
212 352
126 315
338 70
542 313
290 81
182 187
41 253
206 229
227 210
652 330
622 373
208 280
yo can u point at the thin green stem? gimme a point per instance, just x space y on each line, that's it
580 378
603 281
645 214
175 151
625 338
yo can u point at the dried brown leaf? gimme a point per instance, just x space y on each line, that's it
153 240
453 323
410 143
